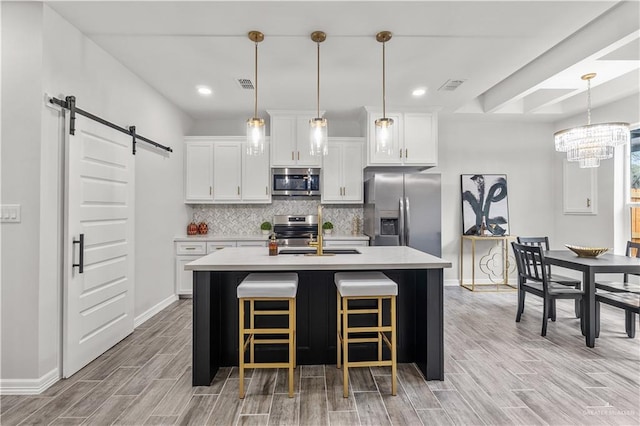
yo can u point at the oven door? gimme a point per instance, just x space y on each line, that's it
292 182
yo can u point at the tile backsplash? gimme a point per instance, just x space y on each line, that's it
245 219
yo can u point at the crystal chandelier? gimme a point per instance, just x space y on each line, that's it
594 142
318 126
384 125
255 125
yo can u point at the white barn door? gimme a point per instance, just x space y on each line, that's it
99 209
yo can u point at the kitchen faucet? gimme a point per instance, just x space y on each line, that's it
318 243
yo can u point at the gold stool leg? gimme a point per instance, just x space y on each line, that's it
379 326
252 326
345 347
241 346
339 323
394 363
295 334
291 346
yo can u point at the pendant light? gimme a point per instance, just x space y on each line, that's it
318 125
384 125
255 125
594 142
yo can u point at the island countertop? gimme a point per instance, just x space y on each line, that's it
258 259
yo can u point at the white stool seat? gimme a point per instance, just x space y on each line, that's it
366 283
283 285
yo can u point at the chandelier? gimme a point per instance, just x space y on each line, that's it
594 142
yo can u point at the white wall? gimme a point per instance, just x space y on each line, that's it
47 54
21 119
521 150
608 228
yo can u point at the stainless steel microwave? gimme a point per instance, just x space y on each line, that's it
292 182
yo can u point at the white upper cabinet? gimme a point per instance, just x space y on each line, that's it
290 139
342 172
579 189
198 172
218 170
415 139
227 160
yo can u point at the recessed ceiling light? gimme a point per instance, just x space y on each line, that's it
419 92
204 90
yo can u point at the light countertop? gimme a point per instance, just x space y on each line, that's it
374 258
214 237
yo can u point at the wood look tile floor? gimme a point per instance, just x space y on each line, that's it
497 372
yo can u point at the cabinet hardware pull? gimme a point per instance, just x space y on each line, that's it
406 153
400 152
292 156
219 248
210 190
189 248
266 190
588 202
238 190
80 263
298 155
344 190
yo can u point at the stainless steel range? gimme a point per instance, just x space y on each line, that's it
295 230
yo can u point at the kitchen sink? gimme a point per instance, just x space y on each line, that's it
313 251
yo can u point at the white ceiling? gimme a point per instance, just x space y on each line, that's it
516 57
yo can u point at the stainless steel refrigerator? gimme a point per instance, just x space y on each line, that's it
404 209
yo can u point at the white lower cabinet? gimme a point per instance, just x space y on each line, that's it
186 252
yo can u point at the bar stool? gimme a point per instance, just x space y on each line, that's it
361 286
260 287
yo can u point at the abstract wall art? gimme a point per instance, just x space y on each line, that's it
485 210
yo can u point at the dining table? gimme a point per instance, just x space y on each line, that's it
590 266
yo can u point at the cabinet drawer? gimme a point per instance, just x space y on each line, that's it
191 248
217 245
256 243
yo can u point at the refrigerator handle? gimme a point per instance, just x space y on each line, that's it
407 221
401 221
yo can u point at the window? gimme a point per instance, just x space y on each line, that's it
634 184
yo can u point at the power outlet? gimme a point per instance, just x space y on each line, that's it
10 213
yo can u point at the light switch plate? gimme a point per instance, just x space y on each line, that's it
10 213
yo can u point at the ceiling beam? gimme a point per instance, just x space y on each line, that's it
617 25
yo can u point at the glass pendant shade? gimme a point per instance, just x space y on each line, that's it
384 136
255 126
255 136
594 142
384 126
318 136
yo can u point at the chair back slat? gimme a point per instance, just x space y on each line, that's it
542 242
633 250
530 264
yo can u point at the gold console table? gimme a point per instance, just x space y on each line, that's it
498 276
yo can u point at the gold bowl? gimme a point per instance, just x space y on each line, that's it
587 251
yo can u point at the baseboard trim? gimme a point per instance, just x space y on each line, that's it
29 386
143 317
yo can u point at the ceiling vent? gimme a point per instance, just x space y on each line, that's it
245 83
451 85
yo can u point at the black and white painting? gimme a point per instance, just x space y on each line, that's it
484 196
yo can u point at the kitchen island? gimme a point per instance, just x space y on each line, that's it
215 307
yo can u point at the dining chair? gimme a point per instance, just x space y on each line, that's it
623 295
533 277
553 277
625 286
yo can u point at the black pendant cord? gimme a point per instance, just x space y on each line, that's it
70 104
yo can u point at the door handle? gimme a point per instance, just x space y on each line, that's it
80 263
401 221
407 220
